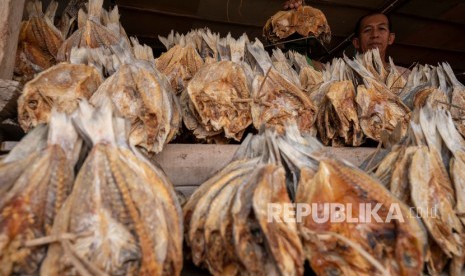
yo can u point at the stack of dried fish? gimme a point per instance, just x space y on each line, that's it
96 29
342 238
438 87
310 79
226 219
426 172
60 87
140 93
219 94
180 63
378 108
337 121
277 100
305 21
38 42
130 224
35 180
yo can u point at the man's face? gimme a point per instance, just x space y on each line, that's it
374 33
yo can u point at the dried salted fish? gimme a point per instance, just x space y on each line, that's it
68 20
382 244
140 93
445 228
117 231
379 109
61 86
35 196
372 62
180 64
396 80
337 120
91 32
197 207
457 109
310 79
306 21
456 145
276 101
283 66
220 95
191 119
281 236
38 42
226 219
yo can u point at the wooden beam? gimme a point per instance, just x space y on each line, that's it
11 13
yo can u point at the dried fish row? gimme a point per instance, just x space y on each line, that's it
346 240
338 120
226 219
277 101
424 171
35 181
96 29
131 223
378 108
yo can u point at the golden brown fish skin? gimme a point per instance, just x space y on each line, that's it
38 43
385 168
399 186
165 193
431 188
249 240
121 251
277 101
432 96
220 255
199 214
142 95
61 86
285 23
191 204
91 33
216 92
282 238
122 228
340 115
29 208
380 109
406 252
179 64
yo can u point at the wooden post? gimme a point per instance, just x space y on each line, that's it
11 13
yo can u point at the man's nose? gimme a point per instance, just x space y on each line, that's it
374 33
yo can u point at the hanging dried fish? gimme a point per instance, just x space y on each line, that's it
131 222
60 87
34 195
38 42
